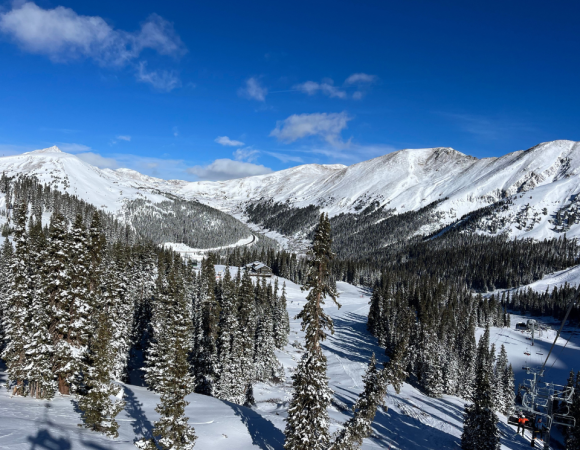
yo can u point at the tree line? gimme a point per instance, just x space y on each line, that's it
78 311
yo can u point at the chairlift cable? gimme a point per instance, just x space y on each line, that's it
561 350
560 330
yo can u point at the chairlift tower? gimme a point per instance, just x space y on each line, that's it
548 400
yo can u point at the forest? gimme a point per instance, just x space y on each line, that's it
86 299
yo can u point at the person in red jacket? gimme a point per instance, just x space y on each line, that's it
522 424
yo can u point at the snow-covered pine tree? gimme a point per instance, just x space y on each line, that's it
267 366
508 391
480 431
247 323
431 365
228 386
56 286
79 298
375 323
467 360
156 361
18 301
39 347
141 290
206 354
500 375
451 371
281 320
114 287
5 280
351 436
103 401
495 382
307 423
171 431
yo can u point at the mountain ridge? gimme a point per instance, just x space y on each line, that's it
402 181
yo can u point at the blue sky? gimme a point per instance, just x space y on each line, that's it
216 90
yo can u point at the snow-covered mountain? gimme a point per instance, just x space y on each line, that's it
106 189
541 184
130 197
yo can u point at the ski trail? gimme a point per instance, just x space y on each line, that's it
346 371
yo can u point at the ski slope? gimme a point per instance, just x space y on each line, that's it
411 422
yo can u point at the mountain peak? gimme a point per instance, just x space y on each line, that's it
53 149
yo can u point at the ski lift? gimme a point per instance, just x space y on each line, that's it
527 352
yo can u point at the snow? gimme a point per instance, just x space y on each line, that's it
103 188
405 180
411 422
545 176
199 253
571 276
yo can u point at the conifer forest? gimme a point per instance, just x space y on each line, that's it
306 225
97 312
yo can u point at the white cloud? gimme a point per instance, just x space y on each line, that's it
354 153
224 140
246 154
326 87
63 35
124 138
97 160
69 147
285 158
326 126
175 132
253 90
227 169
168 169
360 78
162 80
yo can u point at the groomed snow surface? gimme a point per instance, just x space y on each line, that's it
412 421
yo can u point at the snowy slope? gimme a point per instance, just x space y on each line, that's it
540 182
121 193
411 422
106 189
545 176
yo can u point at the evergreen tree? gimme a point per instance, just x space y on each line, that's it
281 322
114 288
505 381
18 301
307 423
56 283
247 322
431 374
101 404
508 391
5 280
39 347
267 367
228 386
206 351
171 431
480 431
157 361
360 425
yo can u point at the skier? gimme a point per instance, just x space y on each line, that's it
522 424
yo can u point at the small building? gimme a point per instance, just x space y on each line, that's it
258 269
